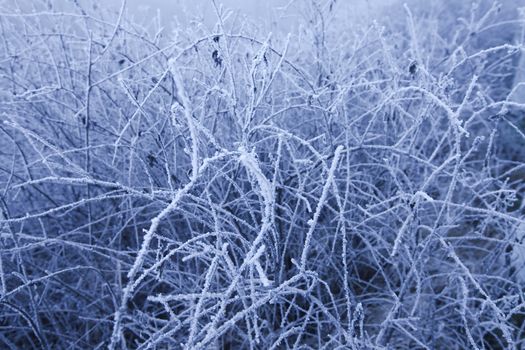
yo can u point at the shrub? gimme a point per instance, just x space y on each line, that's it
345 186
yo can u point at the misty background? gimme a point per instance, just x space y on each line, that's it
284 13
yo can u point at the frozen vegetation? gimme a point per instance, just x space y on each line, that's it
350 185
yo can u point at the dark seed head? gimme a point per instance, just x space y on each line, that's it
216 58
412 68
152 160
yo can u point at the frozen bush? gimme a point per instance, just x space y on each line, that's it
343 186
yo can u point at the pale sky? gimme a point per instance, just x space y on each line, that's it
265 10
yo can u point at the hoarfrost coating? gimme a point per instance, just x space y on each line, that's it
330 176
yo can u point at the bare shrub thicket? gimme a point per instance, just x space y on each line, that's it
344 186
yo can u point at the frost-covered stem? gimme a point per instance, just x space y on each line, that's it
114 34
138 111
149 234
389 318
252 166
279 290
205 288
87 144
463 312
256 62
3 288
500 316
270 80
229 63
320 204
189 119
414 38
137 264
